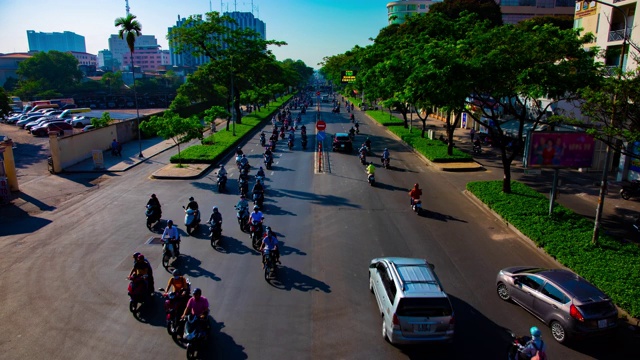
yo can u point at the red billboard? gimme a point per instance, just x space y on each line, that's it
560 150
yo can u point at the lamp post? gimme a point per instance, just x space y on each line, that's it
603 182
233 113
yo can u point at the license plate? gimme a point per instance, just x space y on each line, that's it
341 145
421 327
602 323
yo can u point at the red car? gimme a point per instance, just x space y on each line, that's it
58 127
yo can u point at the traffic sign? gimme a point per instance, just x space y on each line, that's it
318 93
321 125
321 135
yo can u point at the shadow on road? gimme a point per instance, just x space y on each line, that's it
231 245
190 266
222 345
439 216
152 313
292 279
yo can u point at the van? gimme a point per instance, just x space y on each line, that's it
413 304
44 106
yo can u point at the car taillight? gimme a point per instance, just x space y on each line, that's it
575 313
396 321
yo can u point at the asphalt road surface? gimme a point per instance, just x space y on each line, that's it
64 270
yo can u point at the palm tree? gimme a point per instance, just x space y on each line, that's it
130 29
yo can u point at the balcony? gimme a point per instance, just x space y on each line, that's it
618 35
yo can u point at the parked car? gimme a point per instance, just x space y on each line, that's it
88 128
342 142
567 303
28 118
59 127
80 121
412 302
39 121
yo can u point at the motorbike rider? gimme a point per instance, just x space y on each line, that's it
155 206
179 283
256 216
270 242
242 203
197 305
141 267
385 154
239 151
534 346
216 217
415 193
368 144
258 190
371 170
268 153
263 138
222 172
352 117
352 132
260 172
171 234
303 130
363 153
193 205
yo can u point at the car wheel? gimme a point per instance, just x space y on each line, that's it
558 332
503 292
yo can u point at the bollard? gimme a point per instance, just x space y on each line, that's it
319 157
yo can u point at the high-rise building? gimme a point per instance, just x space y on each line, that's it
513 11
65 41
147 58
244 20
120 49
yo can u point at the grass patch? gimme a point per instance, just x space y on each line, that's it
216 145
434 150
566 236
384 118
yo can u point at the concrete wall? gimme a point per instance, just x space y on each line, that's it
70 150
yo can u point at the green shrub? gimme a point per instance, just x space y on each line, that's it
610 265
434 150
384 118
216 145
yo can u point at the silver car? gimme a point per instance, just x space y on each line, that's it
567 303
413 305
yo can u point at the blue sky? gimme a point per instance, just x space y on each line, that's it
312 28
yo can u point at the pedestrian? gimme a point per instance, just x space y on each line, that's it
119 148
472 133
114 147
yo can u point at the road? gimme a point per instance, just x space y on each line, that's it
65 269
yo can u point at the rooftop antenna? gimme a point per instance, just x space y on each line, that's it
126 2
235 5
210 8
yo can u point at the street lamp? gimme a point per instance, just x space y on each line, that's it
603 182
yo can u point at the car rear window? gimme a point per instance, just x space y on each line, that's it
598 308
424 307
342 138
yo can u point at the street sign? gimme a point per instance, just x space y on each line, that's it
318 93
321 135
321 125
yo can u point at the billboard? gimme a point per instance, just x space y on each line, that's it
348 76
585 8
560 150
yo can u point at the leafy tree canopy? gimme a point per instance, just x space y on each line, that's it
53 70
486 9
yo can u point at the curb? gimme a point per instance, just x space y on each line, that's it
188 177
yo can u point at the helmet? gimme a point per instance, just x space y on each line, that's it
242 196
244 156
371 163
153 195
260 167
170 222
176 272
215 209
385 149
222 166
535 332
416 185
197 291
140 257
191 198
256 207
135 255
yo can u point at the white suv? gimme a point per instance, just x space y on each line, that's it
80 121
413 305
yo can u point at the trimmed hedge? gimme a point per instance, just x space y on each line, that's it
434 150
612 266
382 117
216 145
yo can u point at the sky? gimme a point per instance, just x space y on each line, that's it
312 29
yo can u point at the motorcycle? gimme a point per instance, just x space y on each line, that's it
153 216
215 233
138 292
170 249
263 140
243 216
385 163
268 161
272 146
357 127
222 183
174 305
260 179
269 264
258 199
416 205
196 332
352 118
477 149
304 143
371 179
255 230
191 220
363 158
518 343
238 158
290 144
243 186
631 189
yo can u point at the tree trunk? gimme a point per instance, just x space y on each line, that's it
228 122
506 169
424 127
179 158
403 110
236 105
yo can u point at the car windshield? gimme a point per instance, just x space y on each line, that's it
342 138
598 308
424 307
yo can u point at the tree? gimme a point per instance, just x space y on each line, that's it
171 126
486 9
113 81
10 84
517 66
47 71
129 30
103 121
5 103
216 112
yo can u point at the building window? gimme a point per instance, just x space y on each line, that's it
412 7
547 4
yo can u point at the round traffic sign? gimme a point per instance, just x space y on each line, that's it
321 125
318 93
